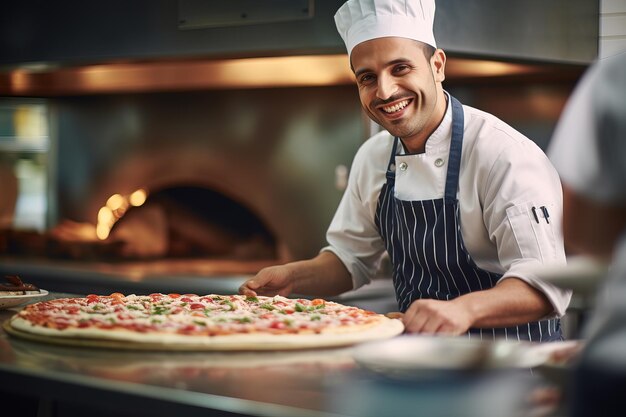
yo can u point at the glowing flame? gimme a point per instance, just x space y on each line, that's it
102 231
138 197
115 201
105 216
115 208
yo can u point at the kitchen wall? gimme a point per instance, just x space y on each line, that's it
278 152
531 107
612 38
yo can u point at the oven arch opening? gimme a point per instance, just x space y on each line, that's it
184 221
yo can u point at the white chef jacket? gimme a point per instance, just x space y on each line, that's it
502 176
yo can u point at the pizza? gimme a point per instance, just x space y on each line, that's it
193 322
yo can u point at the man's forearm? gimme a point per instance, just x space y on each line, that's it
323 275
511 302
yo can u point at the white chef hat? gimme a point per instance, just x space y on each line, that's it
361 20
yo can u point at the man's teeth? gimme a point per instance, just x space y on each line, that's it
396 107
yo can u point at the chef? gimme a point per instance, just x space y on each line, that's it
465 206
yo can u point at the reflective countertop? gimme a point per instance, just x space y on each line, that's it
324 382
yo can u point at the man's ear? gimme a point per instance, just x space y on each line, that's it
438 65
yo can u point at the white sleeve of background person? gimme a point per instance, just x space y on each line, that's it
588 147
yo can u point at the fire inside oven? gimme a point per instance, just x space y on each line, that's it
182 222
174 223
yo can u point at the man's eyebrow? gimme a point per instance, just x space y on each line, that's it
360 71
388 64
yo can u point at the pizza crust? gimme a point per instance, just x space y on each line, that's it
383 328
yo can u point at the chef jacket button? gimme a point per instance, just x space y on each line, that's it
438 162
403 166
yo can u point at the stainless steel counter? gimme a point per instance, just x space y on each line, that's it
68 381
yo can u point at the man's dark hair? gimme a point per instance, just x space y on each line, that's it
429 50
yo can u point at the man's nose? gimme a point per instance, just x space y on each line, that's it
386 87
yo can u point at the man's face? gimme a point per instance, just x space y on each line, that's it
398 85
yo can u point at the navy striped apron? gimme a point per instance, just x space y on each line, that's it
424 242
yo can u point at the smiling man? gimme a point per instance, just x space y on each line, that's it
466 207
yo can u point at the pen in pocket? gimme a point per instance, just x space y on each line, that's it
545 213
534 210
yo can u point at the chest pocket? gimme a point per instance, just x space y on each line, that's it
533 231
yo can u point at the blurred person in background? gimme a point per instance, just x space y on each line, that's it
588 150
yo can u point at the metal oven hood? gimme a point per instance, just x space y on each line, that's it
78 33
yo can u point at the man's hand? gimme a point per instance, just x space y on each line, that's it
322 276
270 281
436 317
510 303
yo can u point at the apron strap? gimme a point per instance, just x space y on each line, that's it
456 146
391 166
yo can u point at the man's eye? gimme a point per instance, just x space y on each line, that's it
366 79
398 69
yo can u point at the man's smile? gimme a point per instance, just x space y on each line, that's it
395 109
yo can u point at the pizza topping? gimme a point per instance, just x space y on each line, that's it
208 315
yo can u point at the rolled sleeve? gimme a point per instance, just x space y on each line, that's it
526 270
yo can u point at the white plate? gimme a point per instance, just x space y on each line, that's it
416 355
8 301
